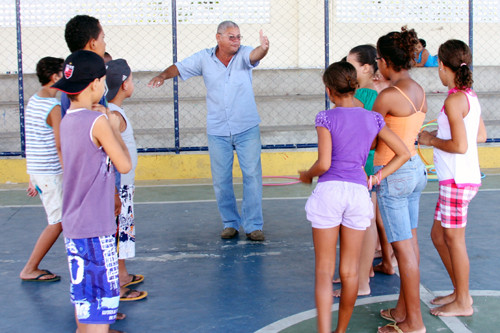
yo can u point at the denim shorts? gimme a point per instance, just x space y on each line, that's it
333 203
398 198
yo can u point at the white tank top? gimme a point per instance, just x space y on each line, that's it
461 169
129 140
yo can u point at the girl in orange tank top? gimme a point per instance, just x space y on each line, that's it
406 128
398 195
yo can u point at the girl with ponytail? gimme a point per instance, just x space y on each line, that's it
341 201
460 127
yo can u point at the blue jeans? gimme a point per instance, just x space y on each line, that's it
398 198
247 145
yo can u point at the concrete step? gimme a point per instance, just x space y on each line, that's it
287 99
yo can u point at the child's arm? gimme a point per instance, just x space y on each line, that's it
106 133
402 154
324 156
423 60
481 133
123 123
54 121
456 108
382 105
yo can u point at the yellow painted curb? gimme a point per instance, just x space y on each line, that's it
197 165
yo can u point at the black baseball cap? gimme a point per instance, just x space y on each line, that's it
79 70
117 72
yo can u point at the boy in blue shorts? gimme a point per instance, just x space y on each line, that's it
120 87
90 144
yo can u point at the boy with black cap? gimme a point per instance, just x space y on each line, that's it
90 141
120 87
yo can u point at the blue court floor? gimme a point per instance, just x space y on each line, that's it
200 283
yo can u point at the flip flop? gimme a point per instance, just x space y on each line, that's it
125 298
386 314
38 278
120 316
136 278
394 326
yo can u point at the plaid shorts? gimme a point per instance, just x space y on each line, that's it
452 205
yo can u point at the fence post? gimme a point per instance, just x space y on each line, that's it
20 77
471 31
327 46
175 79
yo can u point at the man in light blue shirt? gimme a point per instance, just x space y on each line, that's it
232 122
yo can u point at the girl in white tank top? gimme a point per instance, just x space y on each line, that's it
460 127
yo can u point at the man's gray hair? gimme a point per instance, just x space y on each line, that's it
224 25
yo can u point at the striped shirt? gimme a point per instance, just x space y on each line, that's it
41 152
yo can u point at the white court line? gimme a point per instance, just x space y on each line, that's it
453 323
168 202
306 315
213 200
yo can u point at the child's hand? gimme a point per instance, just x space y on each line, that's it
304 177
31 191
100 108
425 138
118 204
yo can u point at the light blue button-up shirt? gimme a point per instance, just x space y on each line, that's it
230 99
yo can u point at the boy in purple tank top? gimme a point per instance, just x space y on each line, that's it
90 144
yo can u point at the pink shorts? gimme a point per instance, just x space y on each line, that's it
453 203
335 203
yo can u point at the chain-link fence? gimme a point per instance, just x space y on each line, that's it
304 37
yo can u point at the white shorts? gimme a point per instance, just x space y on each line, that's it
51 195
335 203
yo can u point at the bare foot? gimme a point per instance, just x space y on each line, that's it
442 300
337 280
385 269
364 292
372 273
453 309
